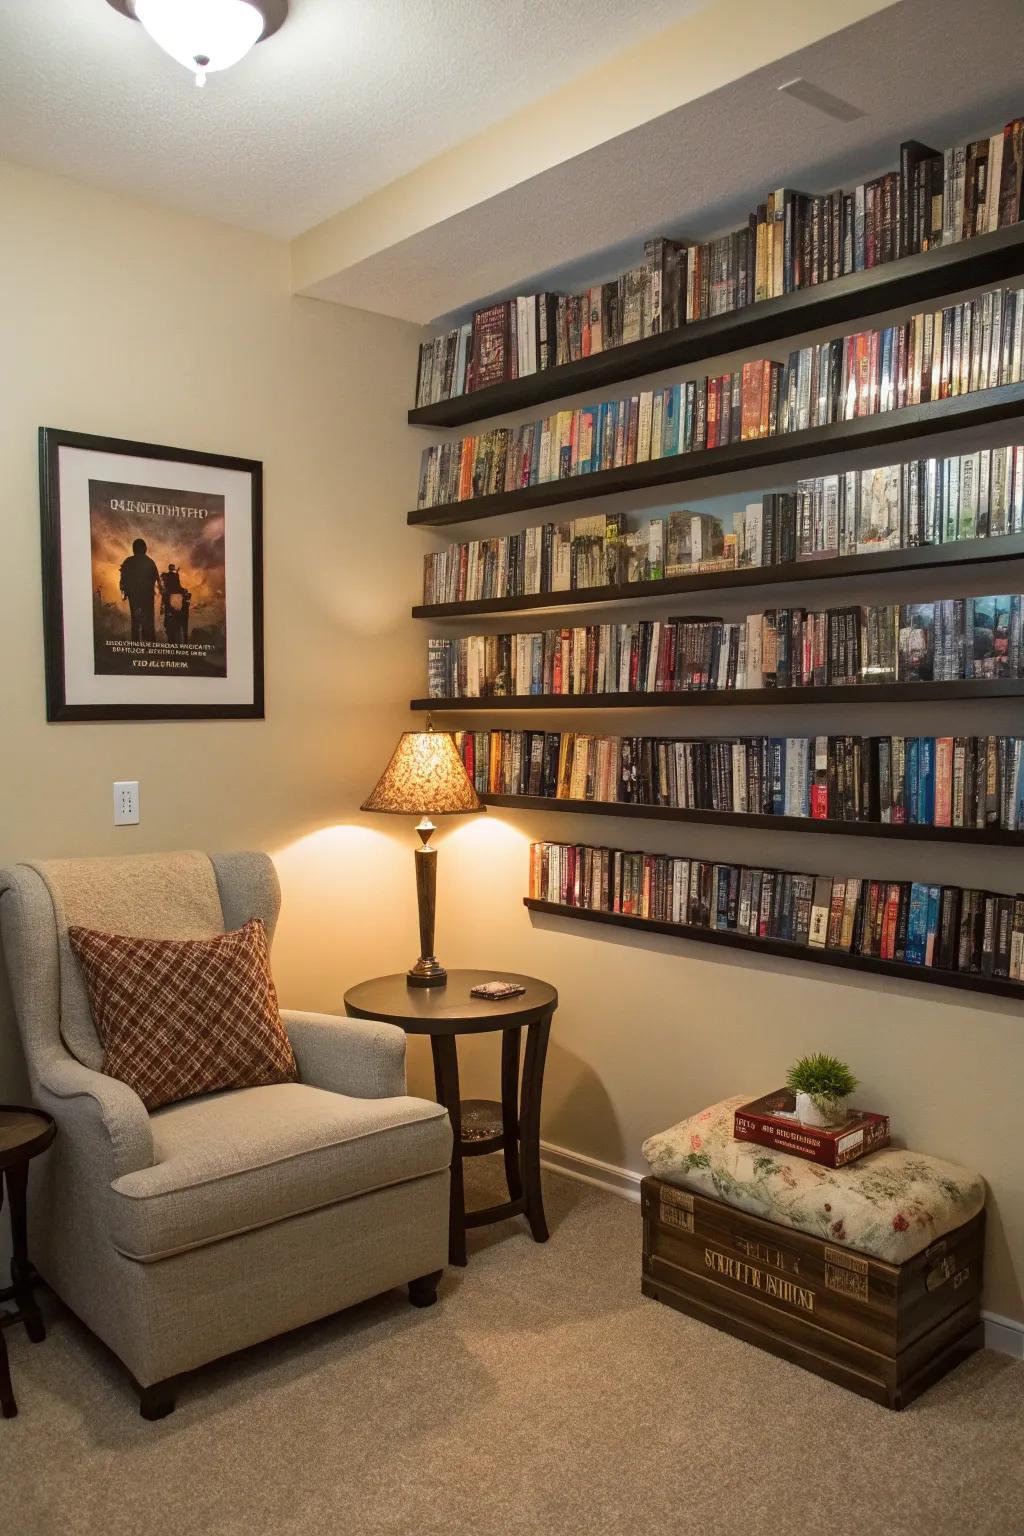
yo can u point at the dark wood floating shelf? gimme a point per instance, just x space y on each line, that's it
987 259
839 693
921 557
883 430
783 948
907 832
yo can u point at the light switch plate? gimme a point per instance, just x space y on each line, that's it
126 803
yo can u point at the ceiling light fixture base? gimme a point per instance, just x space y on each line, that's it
274 13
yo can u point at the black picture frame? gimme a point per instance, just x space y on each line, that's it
58 708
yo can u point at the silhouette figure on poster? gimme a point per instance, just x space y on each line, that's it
175 602
139 582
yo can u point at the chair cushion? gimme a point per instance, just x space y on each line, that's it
179 1017
890 1204
229 1162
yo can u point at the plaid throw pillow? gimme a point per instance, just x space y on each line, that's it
179 1017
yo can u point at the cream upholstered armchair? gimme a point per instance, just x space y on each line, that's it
187 1233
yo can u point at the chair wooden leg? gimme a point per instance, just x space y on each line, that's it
423 1292
7 1404
157 1401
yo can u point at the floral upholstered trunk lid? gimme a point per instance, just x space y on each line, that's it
890 1204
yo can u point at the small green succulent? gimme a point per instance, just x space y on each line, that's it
825 1078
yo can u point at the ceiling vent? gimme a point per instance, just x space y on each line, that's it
823 101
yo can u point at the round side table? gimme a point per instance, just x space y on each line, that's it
24 1133
478 1126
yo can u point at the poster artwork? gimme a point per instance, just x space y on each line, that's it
157 581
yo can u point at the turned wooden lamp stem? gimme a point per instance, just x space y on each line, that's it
428 971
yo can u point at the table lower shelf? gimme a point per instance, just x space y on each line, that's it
483 1120
483 1129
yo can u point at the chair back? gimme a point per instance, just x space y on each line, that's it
167 896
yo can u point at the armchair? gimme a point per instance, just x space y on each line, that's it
208 1225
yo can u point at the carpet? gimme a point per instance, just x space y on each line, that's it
541 1395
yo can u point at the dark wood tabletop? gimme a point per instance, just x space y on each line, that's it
23 1134
450 1010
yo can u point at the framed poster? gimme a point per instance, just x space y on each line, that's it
152 581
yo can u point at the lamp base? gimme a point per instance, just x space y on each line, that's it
426 973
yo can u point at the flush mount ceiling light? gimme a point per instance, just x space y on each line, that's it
206 35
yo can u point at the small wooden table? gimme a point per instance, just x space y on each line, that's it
478 1125
24 1133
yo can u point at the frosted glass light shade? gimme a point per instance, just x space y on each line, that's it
425 777
204 35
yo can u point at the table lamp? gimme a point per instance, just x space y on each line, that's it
425 778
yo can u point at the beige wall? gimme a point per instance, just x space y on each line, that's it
117 318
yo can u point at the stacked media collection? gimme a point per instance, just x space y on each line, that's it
862 511
959 350
941 927
969 787
948 640
792 240
967 782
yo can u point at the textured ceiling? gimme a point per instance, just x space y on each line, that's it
915 68
349 95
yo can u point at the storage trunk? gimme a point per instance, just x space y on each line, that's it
886 1331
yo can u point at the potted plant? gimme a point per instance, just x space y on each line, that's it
822 1084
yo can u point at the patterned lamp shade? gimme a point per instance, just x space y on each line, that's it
425 777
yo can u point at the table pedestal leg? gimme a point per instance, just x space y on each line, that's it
510 1047
8 1407
446 1086
529 1125
21 1269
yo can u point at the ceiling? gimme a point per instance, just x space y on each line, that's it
914 69
424 156
349 95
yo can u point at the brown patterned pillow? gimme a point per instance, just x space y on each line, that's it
179 1017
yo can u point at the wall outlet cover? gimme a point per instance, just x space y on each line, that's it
126 803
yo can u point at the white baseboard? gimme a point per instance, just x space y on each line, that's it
1003 1334
591 1170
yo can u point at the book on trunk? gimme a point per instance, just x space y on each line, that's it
771 1121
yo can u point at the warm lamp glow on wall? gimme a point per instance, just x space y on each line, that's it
425 778
206 35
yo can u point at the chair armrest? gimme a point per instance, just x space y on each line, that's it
360 1057
102 1116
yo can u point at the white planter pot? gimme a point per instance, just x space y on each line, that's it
810 1113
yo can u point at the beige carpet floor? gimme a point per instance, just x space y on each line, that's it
542 1395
